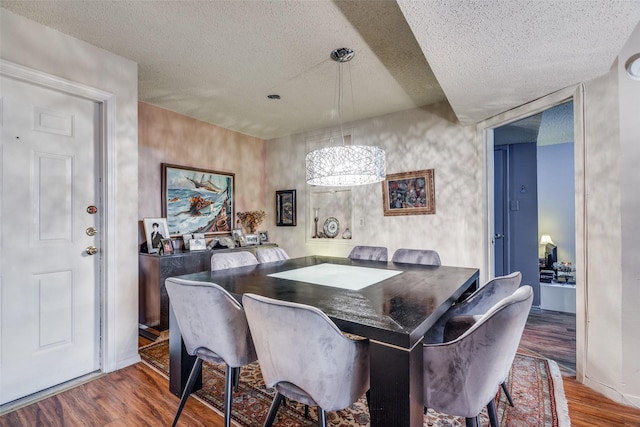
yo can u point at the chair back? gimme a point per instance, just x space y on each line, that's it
463 375
477 303
370 253
304 355
212 323
226 260
271 255
416 256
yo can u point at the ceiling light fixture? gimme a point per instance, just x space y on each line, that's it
345 164
633 67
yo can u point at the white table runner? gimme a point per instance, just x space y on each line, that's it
338 276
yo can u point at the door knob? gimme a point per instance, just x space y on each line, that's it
91 231
92 250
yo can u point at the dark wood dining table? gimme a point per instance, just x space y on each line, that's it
394 314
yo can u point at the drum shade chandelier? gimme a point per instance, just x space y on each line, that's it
345 164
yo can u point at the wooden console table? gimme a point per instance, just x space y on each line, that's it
153 308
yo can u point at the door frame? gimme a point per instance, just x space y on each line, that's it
107 151
484 131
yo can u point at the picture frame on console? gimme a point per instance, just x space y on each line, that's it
409 193
196 200
155 230
167 247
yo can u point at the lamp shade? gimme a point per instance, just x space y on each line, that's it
346 165
545 239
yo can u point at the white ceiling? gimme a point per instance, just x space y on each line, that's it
218 60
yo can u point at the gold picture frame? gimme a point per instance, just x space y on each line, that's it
409 193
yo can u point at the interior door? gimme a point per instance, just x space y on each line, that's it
50 308
515 166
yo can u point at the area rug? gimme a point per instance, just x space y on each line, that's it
535 385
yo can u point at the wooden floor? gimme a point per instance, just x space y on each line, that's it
138 395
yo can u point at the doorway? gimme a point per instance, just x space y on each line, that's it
104 171
50 303
534 195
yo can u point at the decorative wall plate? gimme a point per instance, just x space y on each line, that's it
331 227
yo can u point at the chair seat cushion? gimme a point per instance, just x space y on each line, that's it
293 392
208 355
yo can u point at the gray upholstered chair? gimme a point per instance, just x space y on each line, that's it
370 253
304 355
477 303
214 329
416 256
472 308
271 255
462 376
226 260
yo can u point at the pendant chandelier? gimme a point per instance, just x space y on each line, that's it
345 164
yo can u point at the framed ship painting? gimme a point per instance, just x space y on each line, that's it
197 200
409 193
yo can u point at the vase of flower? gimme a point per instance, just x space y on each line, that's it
251 220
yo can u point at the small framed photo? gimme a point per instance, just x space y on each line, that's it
286 208
264 236
237 234
198 243
186 238
155 230
167 247
252 239
409 193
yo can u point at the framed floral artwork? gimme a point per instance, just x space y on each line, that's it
409 193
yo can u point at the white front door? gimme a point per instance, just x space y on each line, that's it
50 285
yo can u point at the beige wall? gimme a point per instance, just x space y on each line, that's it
167 137
612 291
425 138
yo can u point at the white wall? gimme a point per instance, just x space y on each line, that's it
629 100
425 138
612 294
27 43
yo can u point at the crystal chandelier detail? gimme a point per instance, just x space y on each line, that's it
346 164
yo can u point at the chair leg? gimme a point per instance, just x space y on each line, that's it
236 378
471 422
506 393
491 410
273 410
228 389
322 417
193 376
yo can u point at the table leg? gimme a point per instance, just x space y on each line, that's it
180 362
396 385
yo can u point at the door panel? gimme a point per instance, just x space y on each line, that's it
523 214
49 284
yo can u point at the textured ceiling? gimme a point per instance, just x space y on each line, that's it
218 60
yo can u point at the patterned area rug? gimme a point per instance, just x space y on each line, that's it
534 384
